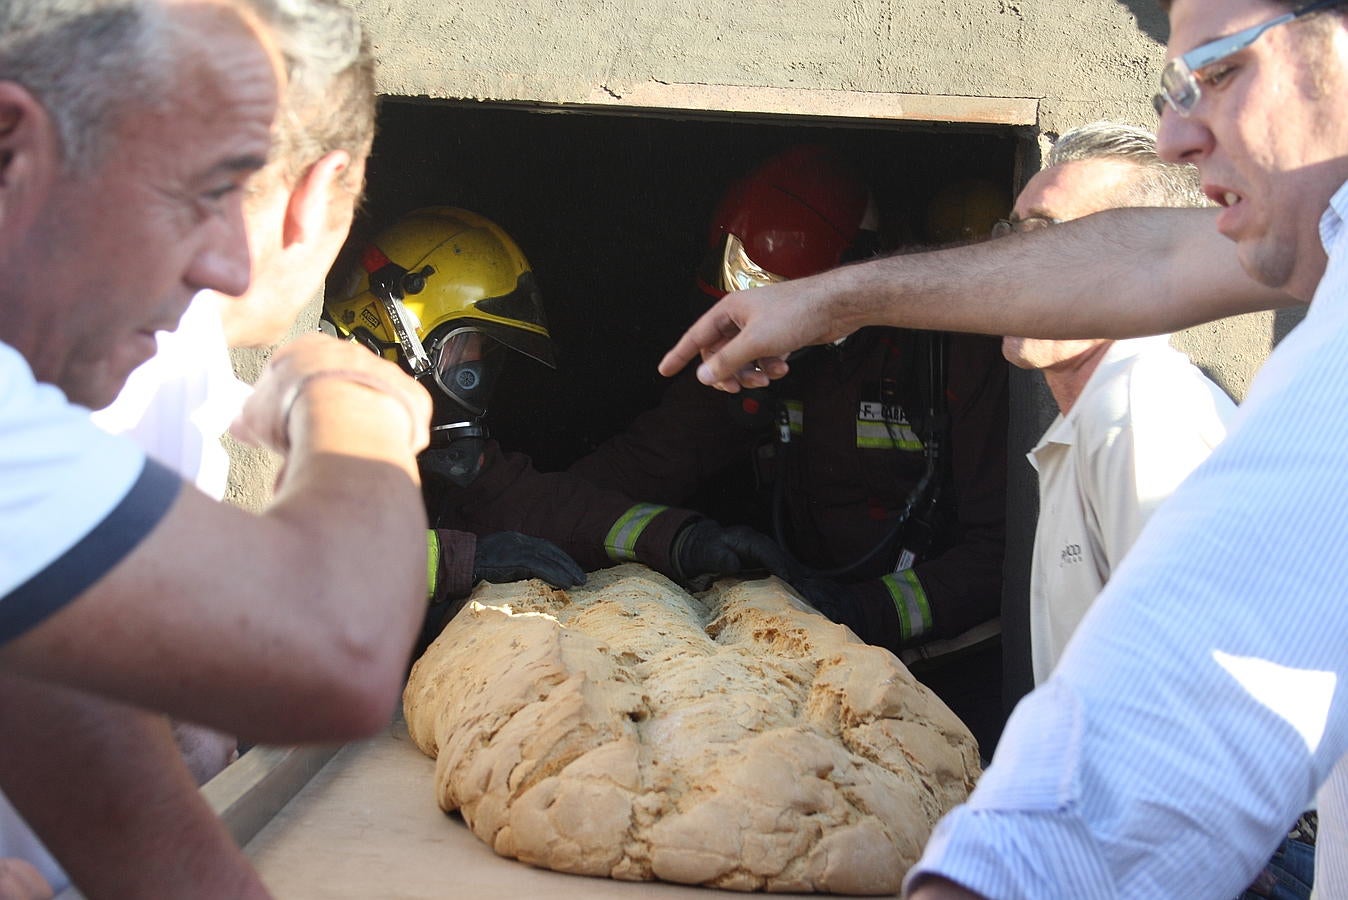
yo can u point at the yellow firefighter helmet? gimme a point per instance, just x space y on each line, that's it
438 291
966 210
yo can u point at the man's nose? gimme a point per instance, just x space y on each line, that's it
223 262
1182 139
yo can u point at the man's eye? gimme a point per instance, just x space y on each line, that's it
1215 74
217 195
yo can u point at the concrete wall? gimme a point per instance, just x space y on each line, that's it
1081 59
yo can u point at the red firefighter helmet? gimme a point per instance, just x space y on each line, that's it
802 211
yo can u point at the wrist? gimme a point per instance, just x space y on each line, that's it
374 412
449 564
624 535
852 292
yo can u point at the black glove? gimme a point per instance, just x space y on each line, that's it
511 556
833 599
703 550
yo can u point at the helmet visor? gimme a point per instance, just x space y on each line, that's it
517 321
739 272
466 364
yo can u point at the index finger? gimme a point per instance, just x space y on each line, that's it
703 338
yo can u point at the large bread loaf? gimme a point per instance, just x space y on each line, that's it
733 739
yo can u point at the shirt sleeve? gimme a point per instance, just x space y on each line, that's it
1201 702
73 499
672 449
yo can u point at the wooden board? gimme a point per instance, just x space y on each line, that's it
367 826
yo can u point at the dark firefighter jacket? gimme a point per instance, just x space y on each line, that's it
856 417
598 527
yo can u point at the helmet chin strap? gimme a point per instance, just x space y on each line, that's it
390 284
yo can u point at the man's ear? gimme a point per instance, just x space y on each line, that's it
30 157
311 200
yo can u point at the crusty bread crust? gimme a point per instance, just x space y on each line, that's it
733 739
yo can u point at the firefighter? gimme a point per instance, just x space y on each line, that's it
882 457
448 294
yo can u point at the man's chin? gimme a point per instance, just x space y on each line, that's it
97 385
1271 264
95 395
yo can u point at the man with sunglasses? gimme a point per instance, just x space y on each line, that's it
1195 710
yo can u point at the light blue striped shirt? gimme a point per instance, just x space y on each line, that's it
1204 698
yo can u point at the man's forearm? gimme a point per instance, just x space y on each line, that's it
1118 273
104 787
293 625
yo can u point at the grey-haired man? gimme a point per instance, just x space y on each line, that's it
124 151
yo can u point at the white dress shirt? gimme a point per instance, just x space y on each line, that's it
1144 420
1204 698
178 403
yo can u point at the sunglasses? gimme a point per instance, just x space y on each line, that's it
1183 76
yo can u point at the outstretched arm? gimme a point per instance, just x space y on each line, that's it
1118 273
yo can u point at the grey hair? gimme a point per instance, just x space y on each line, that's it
83 60
1158 183
88 62
329 100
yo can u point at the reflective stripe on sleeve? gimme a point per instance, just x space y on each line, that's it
621 541
432 564
911 602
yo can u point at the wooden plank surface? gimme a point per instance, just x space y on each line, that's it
862 105
367 826
248 793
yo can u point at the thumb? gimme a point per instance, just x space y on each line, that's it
701 549
720 556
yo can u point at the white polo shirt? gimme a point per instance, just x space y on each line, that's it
1146 418
174 406
73 499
